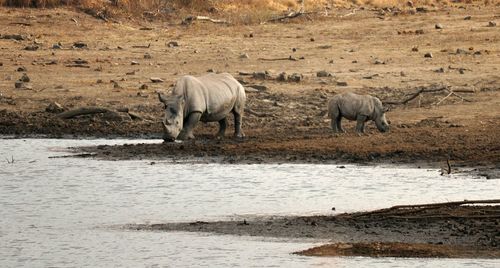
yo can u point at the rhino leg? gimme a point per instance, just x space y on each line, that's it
237 124
222 128
336 124
360 126
189 123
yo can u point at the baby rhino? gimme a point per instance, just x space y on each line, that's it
357 107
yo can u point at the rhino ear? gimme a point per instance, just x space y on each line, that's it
162 98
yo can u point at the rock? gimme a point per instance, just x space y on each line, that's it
172 44
461 51
251 90
22 69
258 87
312 39
295 77
54 108
414 49
294 50
282 77
244 56
323 74
428 55
261 75
250 35
477 53
57 46
116 85
421 9
1 64
19 84
17 37
438 26
99 81
440 70
156 80
467 18
403 74
134 62
24 78
31 47
211 70
143 86
81 61
492 24
80 45
341 83
419 31
147 56
409 3
379 62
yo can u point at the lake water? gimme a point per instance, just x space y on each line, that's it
58 212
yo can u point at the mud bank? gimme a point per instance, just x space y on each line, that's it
433 230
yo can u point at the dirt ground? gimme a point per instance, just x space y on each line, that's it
432 230
374 51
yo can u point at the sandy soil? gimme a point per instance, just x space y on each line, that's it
368 52
418 231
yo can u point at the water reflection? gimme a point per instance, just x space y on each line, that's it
54 212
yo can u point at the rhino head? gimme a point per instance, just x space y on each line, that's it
174 116
381 121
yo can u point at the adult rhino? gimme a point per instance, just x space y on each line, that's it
357 107
208 98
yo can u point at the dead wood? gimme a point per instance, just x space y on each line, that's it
291 15
404 209
191 19
277 59
77 66
257 114
416 94
142 46
83 111
20 23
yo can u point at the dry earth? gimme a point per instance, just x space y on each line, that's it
373 51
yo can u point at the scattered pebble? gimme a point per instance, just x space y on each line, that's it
244 56
143 86
54 108
414 49
57 46
295 77
24 78
282 77
147 56
22 69
323 74
341 83
31 47
438 26
173 44
467 18
156 80
80 45
428 55
492 24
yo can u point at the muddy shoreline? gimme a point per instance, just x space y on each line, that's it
471 227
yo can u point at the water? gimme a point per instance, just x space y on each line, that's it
56 212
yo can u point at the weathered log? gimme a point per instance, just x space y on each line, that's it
416 94
83 111
191 19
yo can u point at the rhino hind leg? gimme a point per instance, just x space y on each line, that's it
360 125
237 124
222 128
189 123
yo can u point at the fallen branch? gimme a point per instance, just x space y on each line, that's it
77 66
416 94
425 206
142 46
290 15
257 114
20 23
277 59
83 111
191 19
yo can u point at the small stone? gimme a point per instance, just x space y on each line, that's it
492 24
22 69
173 44
460 51
428 55
147 56
409 3
54 108
250 35
414 49
19 84
134 63
419 31
477 53
261 75
80 45
438 26
211 70
467 18
421 9
295 77
440 70
282 77
323 74
31 47
99 81
379 62
312 39
143 86
24 78
57 46
156 80
116 85
403 74
244 56
341 84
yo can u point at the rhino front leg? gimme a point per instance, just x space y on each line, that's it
222 128
360 126
189 123
237 125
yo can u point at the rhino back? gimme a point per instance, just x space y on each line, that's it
214 95
351 105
